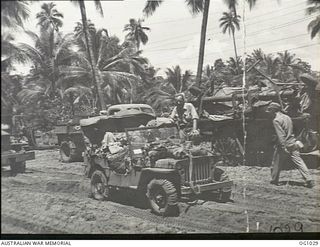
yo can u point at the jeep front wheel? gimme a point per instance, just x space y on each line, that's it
162 196
99 186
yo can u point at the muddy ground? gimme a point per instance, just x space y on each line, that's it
52 197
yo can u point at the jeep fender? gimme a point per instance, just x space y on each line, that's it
147 174
94 163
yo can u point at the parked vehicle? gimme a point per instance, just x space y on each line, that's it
149 165
225 128
14 154
114 109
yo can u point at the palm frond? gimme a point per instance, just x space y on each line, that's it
151 7
195 6
98 6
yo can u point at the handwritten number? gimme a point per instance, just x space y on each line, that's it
298 227
287 227
277 229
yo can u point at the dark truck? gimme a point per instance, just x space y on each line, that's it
222 123
153 162
14 154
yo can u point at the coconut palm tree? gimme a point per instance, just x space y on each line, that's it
14 13
10 53
99 39
290 67
230 22
44 75
89 46
232 4
161 94
314 25
136 32
118 66
50 20
49 17
178 80
271 65
257 54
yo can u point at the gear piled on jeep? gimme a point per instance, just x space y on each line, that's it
118 151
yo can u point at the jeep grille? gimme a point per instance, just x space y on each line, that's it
201 172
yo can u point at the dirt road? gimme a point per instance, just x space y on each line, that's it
52 197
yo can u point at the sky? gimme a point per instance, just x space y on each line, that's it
174 38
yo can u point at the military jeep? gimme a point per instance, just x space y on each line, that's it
153 162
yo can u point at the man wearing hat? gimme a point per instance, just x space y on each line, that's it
287 146
183 113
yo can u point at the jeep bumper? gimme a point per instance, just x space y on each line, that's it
199 188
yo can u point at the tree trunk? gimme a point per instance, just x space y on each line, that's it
202 40
95 73
53 82
235 52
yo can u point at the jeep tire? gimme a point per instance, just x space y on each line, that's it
99 186
163 197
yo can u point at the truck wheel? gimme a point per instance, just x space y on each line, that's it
19 167
68 152
99 186
162 196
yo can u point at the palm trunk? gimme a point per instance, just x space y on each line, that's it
235 52
95 73
53 82
202 40
181 87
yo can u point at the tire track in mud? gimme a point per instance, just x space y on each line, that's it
12 217
185 221
180 222
287 191
257 203
262 201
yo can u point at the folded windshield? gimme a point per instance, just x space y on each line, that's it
143 136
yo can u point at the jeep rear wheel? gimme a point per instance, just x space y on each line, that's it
99 186
162 196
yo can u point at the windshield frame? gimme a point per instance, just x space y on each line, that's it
127 130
